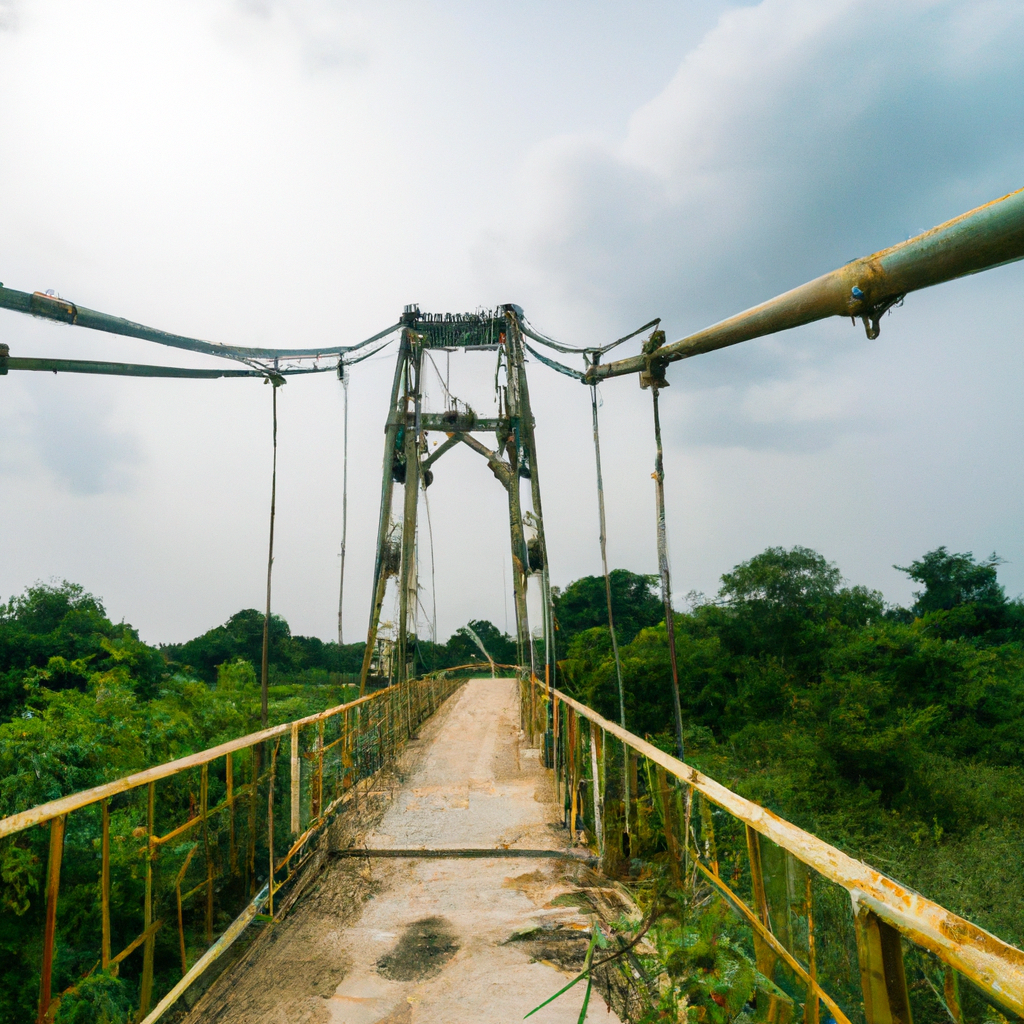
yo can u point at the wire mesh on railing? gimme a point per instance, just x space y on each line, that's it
743 925
147 879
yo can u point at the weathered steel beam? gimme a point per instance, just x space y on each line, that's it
49 307
466 853
407 578
526 423
981 239
438 452
457 423
380 572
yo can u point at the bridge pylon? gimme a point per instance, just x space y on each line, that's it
408 460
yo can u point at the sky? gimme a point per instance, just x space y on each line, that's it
293 172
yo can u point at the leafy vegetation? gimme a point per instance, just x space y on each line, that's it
584 605
84 701
895 734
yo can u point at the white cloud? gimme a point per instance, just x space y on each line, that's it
796 136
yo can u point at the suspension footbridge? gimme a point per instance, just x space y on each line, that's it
444 848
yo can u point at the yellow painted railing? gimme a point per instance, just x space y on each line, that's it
220 838
769 870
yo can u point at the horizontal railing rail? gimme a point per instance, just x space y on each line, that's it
882 908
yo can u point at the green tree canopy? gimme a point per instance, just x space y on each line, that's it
63 631
242 637
783 601
583 605
954 579
462 649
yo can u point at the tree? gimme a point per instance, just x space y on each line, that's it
784 603
240 637
462 649
583 605
783 580
63 632
954 579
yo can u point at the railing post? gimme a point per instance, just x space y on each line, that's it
149 948
229 782
49 934
295 804
951 990
595 776
250 860
570 766
763 953
346 757
811 1003
668 816
880 952
105 887
556 719
204 803
318 794
632 792
270 826
707 828
687 828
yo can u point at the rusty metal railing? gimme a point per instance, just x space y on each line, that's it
201 838
772 873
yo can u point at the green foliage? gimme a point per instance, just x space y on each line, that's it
710 976
951 580
63 633
583 605
98 999
897 737
462 649
87 702
242 637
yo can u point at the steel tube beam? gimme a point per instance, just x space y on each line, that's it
981 239
380 575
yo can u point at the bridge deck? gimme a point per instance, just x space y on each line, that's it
430 941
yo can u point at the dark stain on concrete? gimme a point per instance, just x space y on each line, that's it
421 952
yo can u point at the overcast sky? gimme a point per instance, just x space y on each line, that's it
292 172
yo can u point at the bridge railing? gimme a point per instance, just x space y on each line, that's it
828 929
194 850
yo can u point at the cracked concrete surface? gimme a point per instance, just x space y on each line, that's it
431 943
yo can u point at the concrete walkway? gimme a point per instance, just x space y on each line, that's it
431 944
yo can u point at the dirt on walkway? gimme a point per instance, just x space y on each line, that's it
434 941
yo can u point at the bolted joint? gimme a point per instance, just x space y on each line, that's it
653 373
